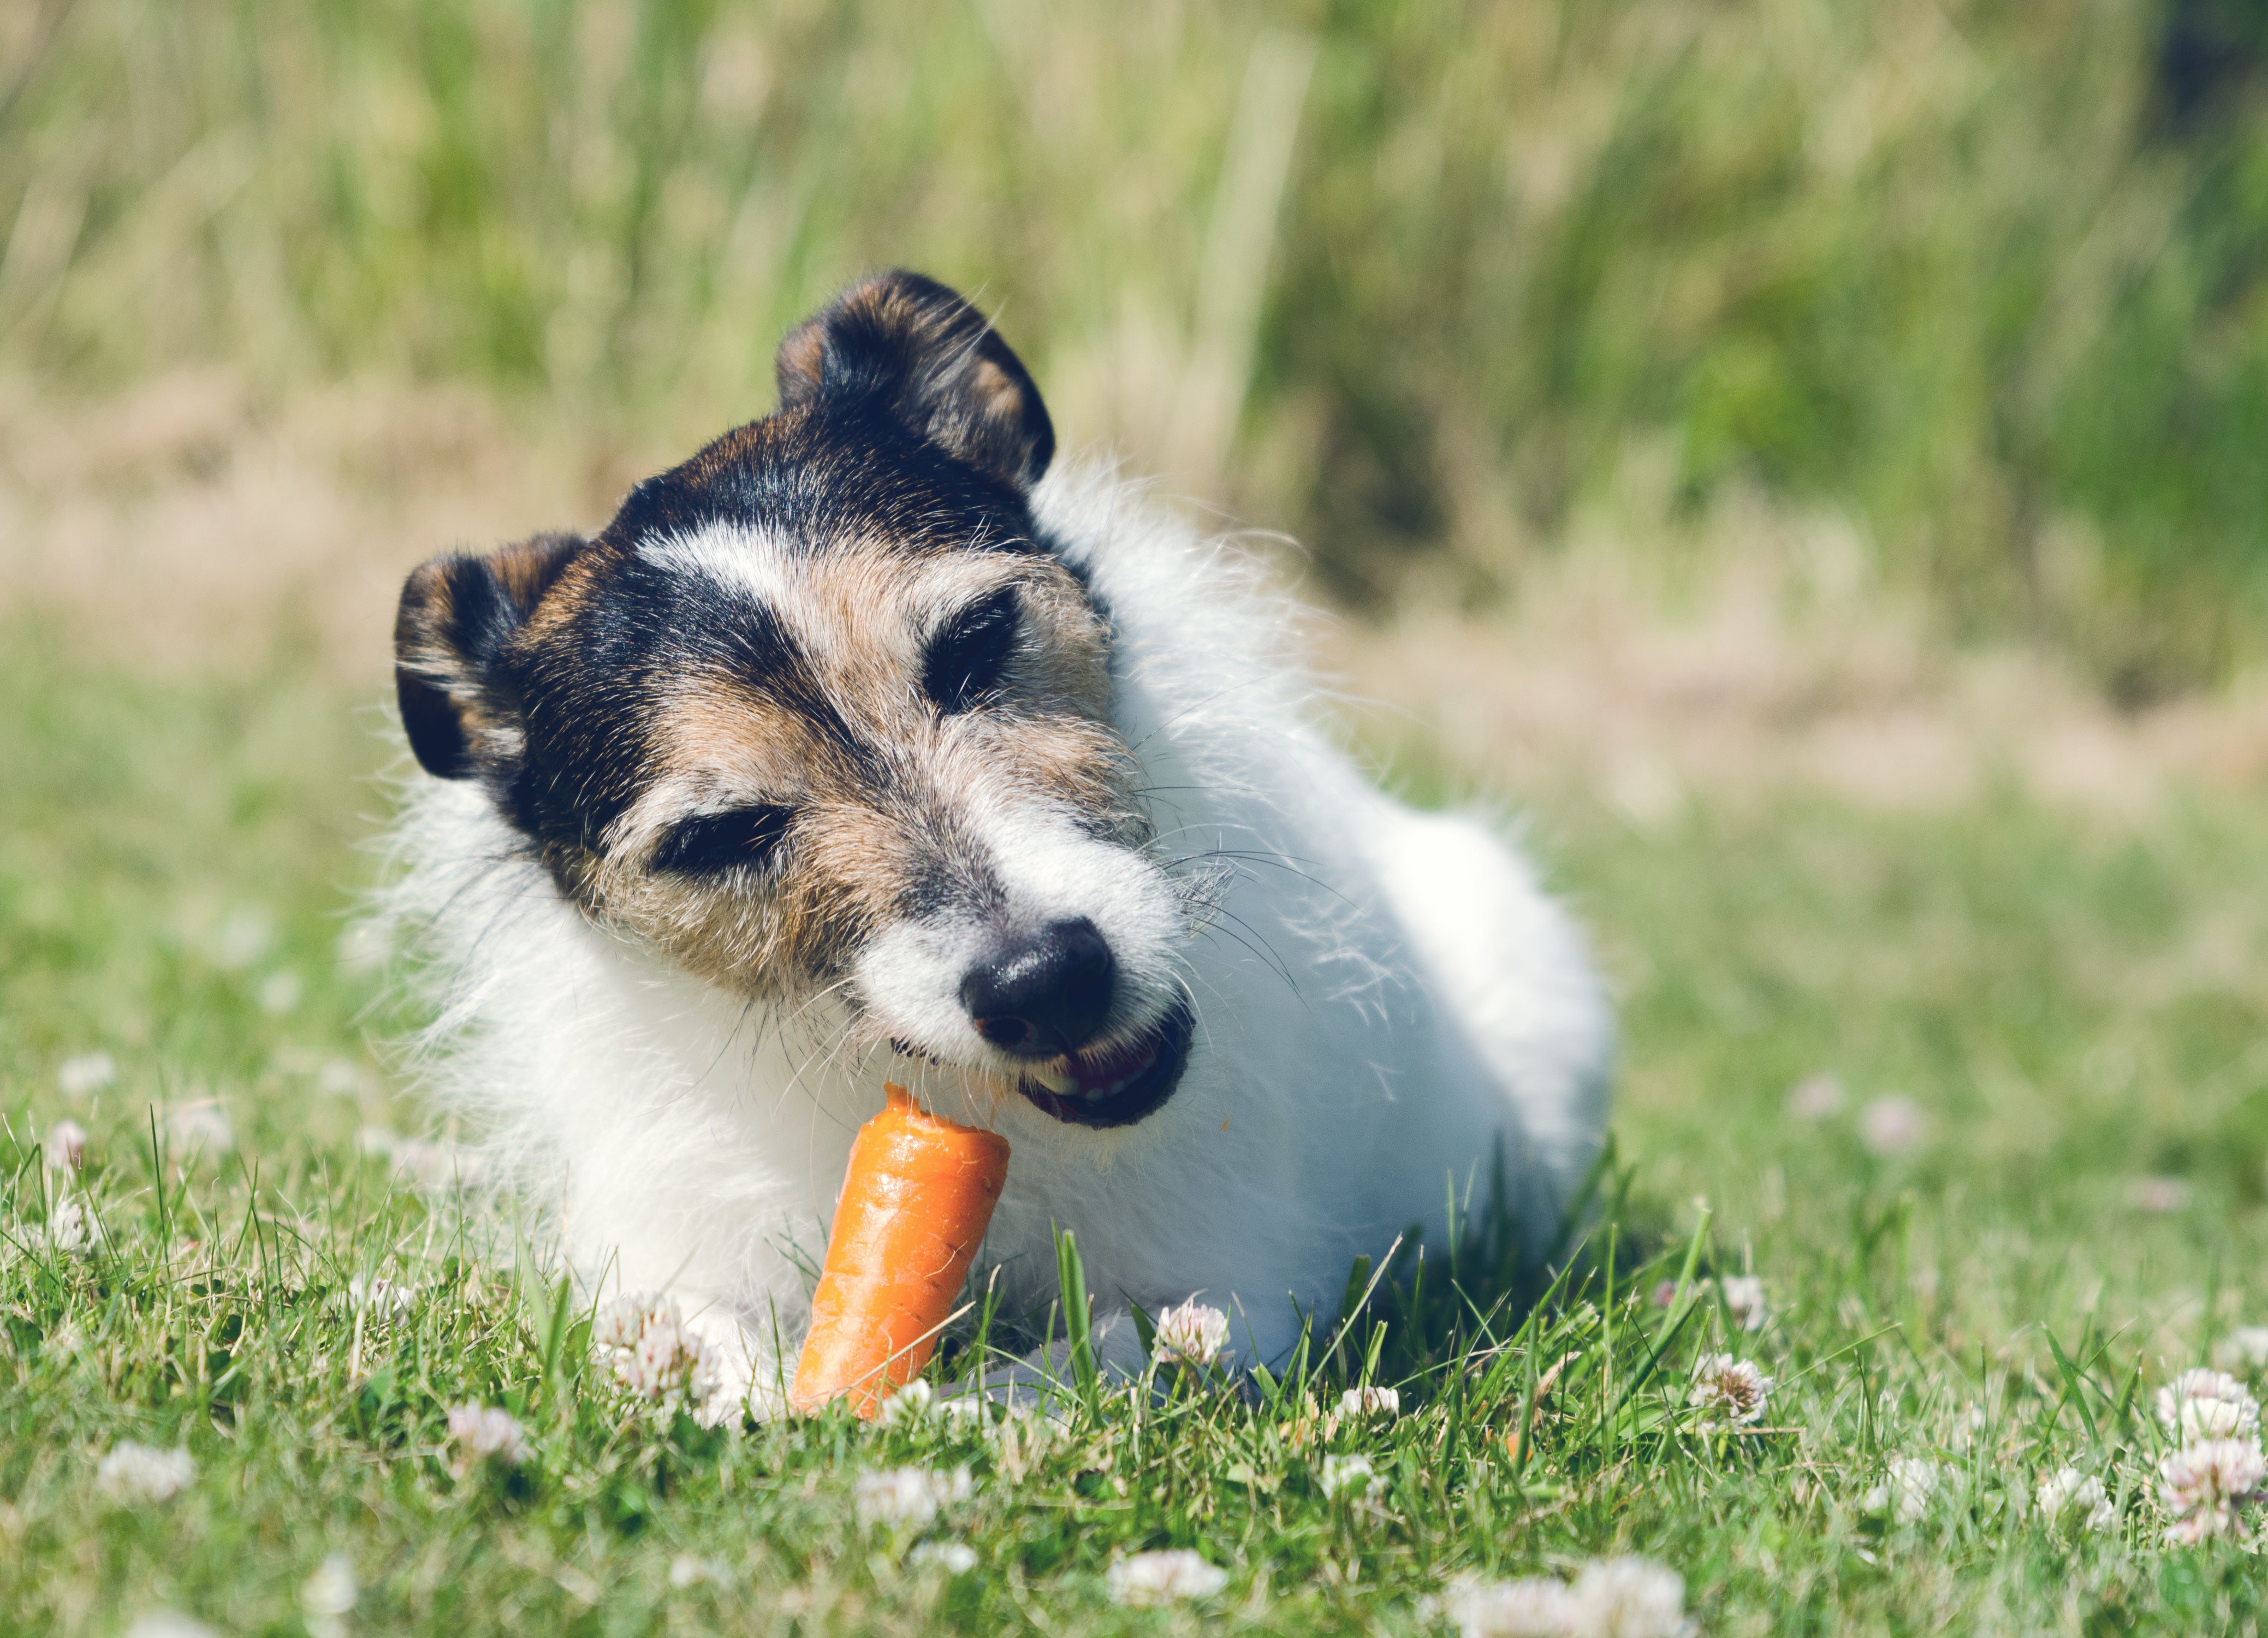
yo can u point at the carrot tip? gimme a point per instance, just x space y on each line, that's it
916 1197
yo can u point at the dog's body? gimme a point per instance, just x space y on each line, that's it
1012 798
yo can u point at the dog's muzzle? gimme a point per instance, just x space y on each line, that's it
1043 998
1119 1086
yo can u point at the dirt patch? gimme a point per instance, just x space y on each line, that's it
1757 678
191 524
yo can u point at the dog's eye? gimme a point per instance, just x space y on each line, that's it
718 842
967 657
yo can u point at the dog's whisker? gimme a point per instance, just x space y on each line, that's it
839 987
1271 859
829 1043
843 1038
739 1022
1270 959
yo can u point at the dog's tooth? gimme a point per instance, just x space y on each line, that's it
1056 1080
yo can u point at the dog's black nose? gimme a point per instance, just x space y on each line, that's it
1042 995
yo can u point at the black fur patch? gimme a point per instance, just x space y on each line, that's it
744 837
905 346
904 421
965 659
456 617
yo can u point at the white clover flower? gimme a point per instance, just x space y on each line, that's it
71 1227
1533 1606
134 1473
243 938
1731 1390
201 1128
911 1407
279 991
964 1410
1892 1125
329 1595
1344 1474
1142 1579
1021 1441
1386 1402
437 1166
2204 1485
1814 1098
670 1363
2245 1349
1629 1597
340 1077
1617 1597
2204 1404
382 1299
2070 1495
906 1498
685 1570
1744 1301
617 1323
954 1557
168 1624
364 945
87 1072
1193 1333
2160 1195
64 1148
481 1431
1905 1492
654 1354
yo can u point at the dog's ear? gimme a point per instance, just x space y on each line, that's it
931 361
458 612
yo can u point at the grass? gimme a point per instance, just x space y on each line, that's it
2076 1010
1429 280
1439 289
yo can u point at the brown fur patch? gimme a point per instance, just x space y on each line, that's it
888 821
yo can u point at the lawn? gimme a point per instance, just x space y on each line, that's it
1948 319
2017 1188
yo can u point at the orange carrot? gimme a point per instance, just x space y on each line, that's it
915 1199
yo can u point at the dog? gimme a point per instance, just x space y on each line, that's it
872 743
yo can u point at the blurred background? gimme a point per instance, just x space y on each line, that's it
1678 360
1807 455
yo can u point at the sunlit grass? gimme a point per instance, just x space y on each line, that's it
2075 1012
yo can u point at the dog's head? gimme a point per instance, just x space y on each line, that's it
821 711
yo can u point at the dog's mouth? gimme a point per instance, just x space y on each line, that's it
1119 1086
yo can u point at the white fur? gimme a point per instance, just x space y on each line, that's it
1384 998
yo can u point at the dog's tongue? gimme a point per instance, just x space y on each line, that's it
1091 1074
